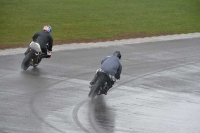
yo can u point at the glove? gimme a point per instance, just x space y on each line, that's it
117 77
49 54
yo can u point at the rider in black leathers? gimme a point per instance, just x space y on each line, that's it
44 39
112 66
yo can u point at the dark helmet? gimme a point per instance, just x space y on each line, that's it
118 54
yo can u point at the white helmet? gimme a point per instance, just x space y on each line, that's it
47 28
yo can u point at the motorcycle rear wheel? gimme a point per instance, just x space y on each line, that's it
95 89
26 62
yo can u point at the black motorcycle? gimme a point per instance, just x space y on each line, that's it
100 86
32 57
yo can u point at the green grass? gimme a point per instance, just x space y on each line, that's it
93 20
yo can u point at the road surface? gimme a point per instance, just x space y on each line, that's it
159 90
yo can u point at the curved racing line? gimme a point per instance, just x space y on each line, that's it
34 111
76 109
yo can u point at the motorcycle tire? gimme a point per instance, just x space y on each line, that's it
95 89
26 61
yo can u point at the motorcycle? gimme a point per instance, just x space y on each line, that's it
101 84
33 56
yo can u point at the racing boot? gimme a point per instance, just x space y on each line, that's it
107 88
104 91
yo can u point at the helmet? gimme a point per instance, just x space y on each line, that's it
47 28
118 54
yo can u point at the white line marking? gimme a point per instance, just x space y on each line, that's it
108 43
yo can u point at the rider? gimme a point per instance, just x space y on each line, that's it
44 39
112 66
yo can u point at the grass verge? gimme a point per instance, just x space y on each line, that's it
95 20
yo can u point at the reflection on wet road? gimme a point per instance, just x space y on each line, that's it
101 115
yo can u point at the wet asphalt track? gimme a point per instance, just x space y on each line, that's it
159 91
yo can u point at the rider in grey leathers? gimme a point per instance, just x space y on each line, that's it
112 66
